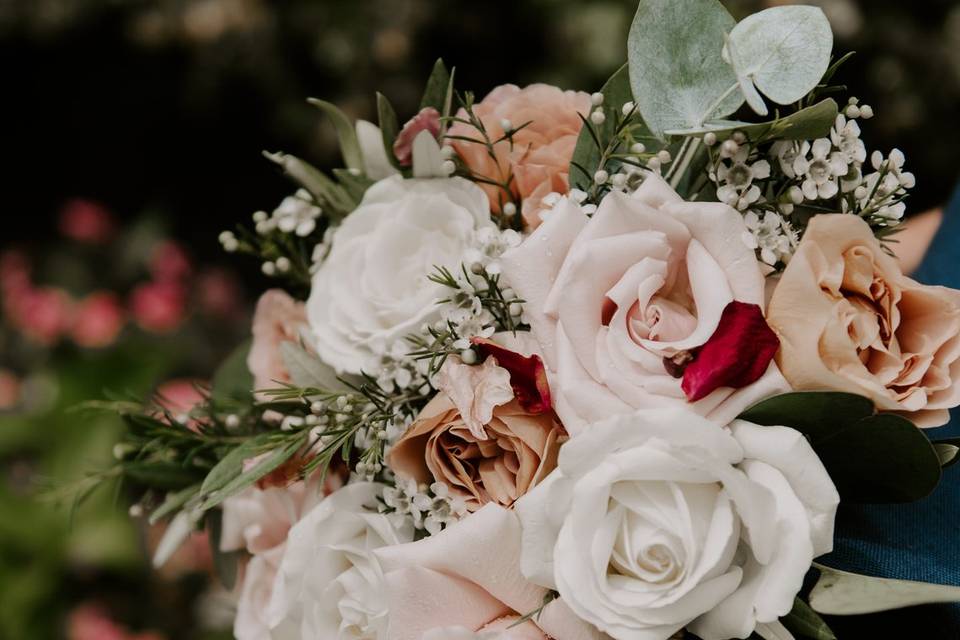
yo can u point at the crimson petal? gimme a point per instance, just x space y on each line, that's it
737 354
528 376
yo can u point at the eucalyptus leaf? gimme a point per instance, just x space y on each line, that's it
231 465
806 124
232 381
389 128
870 458
436 91
843 593
677 74
355 185
177 532
325 191
346 133
308 370
783 52
270 462
160 475
804 622
173 501
948 451
225 563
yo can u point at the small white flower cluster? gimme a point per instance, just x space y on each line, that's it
489 244
296 214
771 235
736 173
881 193
429 508
398 371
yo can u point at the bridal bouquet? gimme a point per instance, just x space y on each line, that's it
549 364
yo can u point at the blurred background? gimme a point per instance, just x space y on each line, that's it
133 131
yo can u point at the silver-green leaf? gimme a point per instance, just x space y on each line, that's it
842 593
783 52
346 134
307 370
677 74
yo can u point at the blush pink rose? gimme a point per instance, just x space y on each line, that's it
97 320
539 159
277 319
428 119
849 320
42 314
470 575
615 300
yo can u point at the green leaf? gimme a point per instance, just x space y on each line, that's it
843 593
346 134
325 191
782 51
388 127
870 458
947 451
436 92
807 124
678 76
225 563
355 185
173 502
805 622
307 370
160 475
586 154
240 479
233 382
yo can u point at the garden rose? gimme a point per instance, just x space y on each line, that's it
329 584
541 152
660 520
278 318
849 320
483 445
470 575
373 288
646 279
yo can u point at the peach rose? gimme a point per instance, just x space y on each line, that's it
483 445
541 152
470 575
278 318
849 320
620 302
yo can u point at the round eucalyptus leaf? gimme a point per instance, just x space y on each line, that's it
782 52
678 76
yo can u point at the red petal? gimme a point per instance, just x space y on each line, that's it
528 376
737 354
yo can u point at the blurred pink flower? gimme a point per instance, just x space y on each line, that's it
98 320
158 307
14 272
427 120
277 319
169 262
179 396
86 221
41 314
92 622
9 389
219 293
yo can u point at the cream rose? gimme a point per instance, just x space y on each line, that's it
328 584
849 320
610 297
467 579
660 520
373 288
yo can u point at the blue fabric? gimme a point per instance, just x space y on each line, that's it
921 540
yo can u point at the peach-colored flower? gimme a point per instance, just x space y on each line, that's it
277 319
470 573
496 461
98 320
541 152
428 119
849 320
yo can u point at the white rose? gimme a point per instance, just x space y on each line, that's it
660 520
373 288
329 584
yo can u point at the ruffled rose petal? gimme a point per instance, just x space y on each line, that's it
528 376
